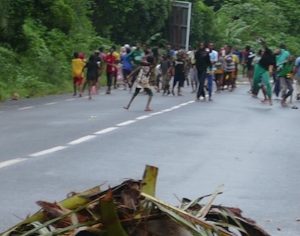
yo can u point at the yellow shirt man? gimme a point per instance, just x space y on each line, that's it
77 67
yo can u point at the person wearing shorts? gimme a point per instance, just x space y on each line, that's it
77 74
142 82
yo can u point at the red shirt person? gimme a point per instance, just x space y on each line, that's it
111 69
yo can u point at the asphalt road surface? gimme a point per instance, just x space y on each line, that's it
55 145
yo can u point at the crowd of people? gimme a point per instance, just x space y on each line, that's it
163 69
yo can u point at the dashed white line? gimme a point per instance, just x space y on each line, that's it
167 110
50 103
156 113
107 130
69 99
48 151
88 137
126 123
25 108
11 162
184 104
82 139
175 107
142 117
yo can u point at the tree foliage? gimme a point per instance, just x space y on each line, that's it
243 22
203 27
130 20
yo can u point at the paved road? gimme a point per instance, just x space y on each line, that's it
54 145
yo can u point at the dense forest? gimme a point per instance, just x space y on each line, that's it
38 37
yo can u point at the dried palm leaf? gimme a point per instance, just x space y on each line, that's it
187 216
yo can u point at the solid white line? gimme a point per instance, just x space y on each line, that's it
11 162
50 103
82 139
70 99
142 117
107 130
48 151
25 108
126 123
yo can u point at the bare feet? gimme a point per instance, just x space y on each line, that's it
148 109
283 103
126 107
264 101
270 102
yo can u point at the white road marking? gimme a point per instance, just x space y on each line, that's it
126 123
11 162
88 137
142 117
167 110
107 130
25 108
175 107
70 99
48 151
156 113
82 139
184 104
50 103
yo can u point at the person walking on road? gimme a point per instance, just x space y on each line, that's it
179 73
282 56
202 64
165 67
77 74
262 73
142 82
248 63
92 67
111 69
126 67
286 80
230 65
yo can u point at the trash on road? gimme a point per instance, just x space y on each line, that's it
131 208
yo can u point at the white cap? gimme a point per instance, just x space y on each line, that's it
127 46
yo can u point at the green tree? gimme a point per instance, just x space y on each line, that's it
130 20
243 22
203 24
216 4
